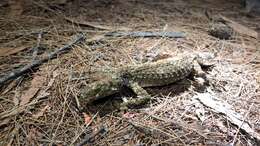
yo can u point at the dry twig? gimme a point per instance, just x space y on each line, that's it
37 63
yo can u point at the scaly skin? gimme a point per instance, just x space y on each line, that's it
160 73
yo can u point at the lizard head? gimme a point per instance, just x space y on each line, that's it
204 58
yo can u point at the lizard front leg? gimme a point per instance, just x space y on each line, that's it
142 96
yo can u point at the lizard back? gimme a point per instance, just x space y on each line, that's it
159 73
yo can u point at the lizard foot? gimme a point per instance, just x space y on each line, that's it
134 102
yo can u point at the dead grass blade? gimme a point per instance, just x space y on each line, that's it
11 51
36 84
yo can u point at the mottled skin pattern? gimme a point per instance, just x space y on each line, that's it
160 73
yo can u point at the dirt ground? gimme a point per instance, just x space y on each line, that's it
40 107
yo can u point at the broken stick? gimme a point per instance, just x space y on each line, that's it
37 63
146 34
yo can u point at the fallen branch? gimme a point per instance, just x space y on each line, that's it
37 63
146 34
223 108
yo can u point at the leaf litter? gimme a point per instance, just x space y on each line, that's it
47 112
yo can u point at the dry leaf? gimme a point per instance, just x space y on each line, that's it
31 136
41 112
10 86
16 98
128 115
87 118
36 84
219 106
12 136
12 112
55 74
258 78
222 127
20 109
4 121
16 7
10 51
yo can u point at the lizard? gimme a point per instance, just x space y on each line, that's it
136 77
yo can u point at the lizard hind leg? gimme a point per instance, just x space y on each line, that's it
142 97
197 70
199 75
202 60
